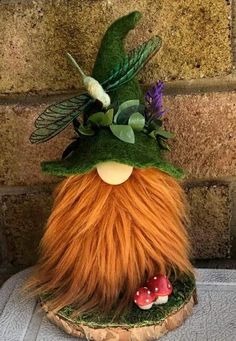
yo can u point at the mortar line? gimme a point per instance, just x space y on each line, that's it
233 34
18 190
172 88
48 187
3 240
232 222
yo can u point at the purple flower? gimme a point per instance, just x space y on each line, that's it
154 99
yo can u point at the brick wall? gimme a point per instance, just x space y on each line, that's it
197 61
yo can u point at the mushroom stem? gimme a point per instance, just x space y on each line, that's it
144 298
161 300
145 307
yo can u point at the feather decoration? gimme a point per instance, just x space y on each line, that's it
58 116
132 64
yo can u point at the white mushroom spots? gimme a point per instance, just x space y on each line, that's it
156 291
144 298
162 288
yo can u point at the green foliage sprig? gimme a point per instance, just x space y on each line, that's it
123 121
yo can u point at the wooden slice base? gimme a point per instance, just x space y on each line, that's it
125 332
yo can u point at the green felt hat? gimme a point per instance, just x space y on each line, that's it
104 146
127 130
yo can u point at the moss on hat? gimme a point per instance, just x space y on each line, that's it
104 146
112 52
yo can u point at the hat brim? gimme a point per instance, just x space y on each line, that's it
104 146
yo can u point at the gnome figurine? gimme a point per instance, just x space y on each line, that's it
119 215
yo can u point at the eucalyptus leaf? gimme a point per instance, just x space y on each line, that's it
87 131
96 118
137 121
108 117
123 132
125 114
165 134
126 105
101 119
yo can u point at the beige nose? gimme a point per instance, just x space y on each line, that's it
114 173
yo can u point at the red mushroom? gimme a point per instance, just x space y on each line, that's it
161 287
144 298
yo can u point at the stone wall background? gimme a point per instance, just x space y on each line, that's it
197 61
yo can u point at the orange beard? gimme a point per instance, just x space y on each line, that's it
102 242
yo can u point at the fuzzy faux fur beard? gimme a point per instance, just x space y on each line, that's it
102 242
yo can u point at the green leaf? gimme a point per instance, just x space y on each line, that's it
163 144
137 121
108 117
101 119
123 132
87 131
133 103
96 118
165 134
153 134
155 124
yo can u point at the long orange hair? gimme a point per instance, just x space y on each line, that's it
102 242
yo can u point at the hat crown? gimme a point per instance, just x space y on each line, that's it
112 52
